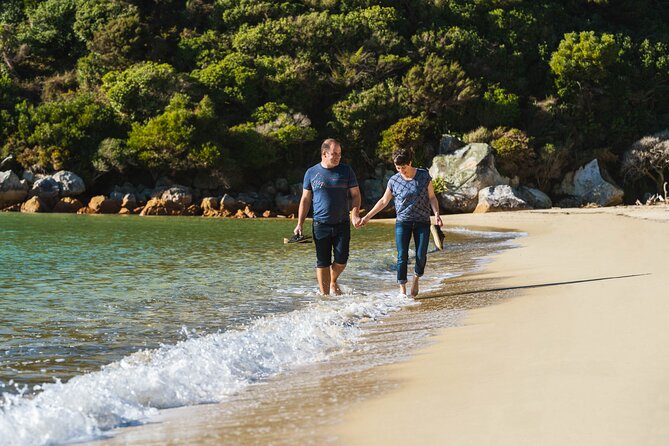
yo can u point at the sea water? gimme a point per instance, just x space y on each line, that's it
105 320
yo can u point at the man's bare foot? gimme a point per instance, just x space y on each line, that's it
334 289
414 287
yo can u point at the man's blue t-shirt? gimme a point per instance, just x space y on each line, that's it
330 191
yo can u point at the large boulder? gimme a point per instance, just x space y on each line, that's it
12 189
287 204
45 188
228 203
35 204
210 206
534 197
68 205
104 205
69 183
500 198
157 206
465 172
591 184
178 194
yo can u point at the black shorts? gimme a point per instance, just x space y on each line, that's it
329 239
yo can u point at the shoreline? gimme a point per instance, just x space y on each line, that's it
300 407
577 356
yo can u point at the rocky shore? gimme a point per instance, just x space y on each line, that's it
465 179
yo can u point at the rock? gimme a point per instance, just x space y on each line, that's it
69 183
178 194
210 207
68 205
193 210
500 198
249 212
29 176
45 188
287 204
157 206
34 204
281 185
239 214
569 202
262 203
116 195
591 184
534 197
12 189
125 211
103 205
10 163
13 208
268 189
268 214
448 144
129 201
465 172
228 203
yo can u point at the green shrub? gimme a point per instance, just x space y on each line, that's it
407 133
515 155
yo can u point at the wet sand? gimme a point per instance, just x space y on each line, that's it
579 356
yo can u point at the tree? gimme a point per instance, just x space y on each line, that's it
63 134
141 91
232 81
49 34
649 158
583 64
437 87
174 140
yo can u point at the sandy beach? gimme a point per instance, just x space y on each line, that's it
580 355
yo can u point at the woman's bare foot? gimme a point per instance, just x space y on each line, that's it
334 289
414 287
403 289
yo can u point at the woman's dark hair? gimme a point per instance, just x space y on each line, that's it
402 157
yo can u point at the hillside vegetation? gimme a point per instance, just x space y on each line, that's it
247 88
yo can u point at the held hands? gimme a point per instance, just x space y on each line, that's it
298 230
437 220
363 221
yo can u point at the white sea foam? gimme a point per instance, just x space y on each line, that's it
194 371
485 234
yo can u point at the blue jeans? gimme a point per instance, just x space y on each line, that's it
331 239
421 237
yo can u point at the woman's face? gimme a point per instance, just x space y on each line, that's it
404 169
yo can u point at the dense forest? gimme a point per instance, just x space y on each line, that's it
245 89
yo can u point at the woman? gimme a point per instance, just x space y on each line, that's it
414 196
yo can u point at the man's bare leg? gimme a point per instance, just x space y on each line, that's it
335 270
414 286
323 277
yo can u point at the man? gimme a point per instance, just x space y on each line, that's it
328 184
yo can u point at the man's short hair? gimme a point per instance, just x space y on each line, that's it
329 144
402 157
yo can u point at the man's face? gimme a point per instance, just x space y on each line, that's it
332 157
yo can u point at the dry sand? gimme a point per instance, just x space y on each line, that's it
580 357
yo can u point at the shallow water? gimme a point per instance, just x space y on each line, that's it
103 319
